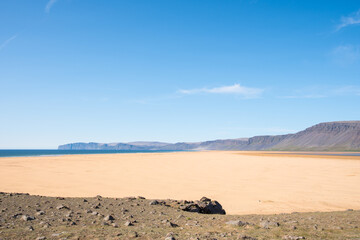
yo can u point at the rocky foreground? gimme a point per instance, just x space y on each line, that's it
23 216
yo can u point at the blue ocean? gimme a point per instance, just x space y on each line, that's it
55 152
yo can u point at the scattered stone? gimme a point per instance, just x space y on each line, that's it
267 224
39 213
27 218
109 218
69 214
115 225
288 237
97 206
61 207
29 228
41 238
128 223
46 225
236 223
154 202
170 224
245 237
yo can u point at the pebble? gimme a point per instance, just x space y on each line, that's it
154 202
109 218
128 223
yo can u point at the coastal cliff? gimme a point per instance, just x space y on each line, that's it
328 136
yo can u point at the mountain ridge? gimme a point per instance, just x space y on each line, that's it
326 136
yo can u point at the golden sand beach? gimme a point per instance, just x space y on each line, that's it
243 182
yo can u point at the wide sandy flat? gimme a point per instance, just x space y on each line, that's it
243 182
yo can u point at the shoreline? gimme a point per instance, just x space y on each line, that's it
245 152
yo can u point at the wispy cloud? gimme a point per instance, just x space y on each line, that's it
49 5
352 19
346 54
348 90
237 89
308 96
7 41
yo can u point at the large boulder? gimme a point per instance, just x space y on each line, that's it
205 206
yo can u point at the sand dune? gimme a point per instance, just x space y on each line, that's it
243 182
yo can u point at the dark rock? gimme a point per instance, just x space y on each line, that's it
109 218
97 206
154 202
205 206
27 218
40 213
128 223
61 207
170 224
205 199
245 237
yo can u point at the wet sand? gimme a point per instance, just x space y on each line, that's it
243 182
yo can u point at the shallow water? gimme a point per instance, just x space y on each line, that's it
55 152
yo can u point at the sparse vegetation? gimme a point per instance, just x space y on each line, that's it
107 218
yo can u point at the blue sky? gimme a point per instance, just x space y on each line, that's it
126 70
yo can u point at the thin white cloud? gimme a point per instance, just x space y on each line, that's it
353 19
309 96
346 54
348 90
49 5
237 89
7 41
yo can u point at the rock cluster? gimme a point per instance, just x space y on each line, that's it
205 206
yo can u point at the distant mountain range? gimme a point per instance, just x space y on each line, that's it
328 136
